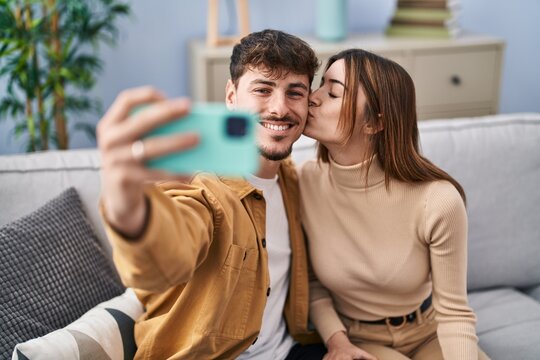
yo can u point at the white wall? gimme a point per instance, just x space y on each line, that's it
153 45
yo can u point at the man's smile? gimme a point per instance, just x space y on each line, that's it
280 127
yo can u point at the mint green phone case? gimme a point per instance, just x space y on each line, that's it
217 151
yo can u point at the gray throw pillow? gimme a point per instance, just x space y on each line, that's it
52 270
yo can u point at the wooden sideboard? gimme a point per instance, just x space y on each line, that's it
453 77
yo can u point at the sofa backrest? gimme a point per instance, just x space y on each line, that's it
28 181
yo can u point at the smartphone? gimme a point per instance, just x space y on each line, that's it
227 143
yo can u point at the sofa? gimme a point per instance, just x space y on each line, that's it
496 159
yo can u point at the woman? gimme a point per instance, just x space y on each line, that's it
387 229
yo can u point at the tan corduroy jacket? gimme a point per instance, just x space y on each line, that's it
201 268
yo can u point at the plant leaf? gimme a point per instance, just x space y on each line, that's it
88 129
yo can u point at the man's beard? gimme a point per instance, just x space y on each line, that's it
275 155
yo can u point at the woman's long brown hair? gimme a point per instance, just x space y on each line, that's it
391 107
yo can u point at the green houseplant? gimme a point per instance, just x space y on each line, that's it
48 55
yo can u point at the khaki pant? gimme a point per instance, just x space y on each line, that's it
416 340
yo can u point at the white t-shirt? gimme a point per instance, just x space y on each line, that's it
274 342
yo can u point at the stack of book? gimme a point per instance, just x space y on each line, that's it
425 18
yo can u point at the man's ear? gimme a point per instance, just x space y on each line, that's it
230 95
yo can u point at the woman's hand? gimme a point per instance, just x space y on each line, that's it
340 348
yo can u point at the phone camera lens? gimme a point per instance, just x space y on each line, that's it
236 126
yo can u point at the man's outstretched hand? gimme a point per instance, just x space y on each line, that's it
123 153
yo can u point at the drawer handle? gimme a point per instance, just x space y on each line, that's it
456 80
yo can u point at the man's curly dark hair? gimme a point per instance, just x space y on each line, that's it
275 52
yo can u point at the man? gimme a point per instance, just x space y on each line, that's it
217 263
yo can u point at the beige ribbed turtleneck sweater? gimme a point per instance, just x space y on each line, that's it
379 253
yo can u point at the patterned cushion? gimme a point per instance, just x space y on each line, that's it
104 332
52 270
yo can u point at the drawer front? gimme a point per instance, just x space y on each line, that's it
457 77
218 75
453 113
